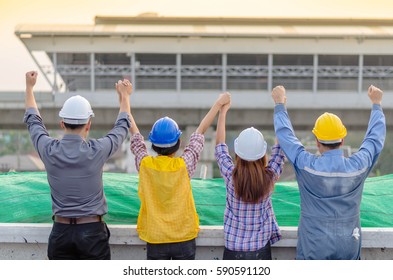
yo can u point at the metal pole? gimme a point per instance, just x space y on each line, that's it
41 69
224 72
178 72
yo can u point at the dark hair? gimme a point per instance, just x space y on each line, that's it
166 151
331 146
252 180
73 126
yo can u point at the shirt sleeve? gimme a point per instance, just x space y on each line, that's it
138 148
37 130
192 152
224 161
111 142
374 139
276 162
290 144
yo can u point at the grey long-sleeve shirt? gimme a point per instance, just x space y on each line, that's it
74 166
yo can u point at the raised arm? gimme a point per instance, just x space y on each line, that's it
124 90
374 139
221 130
223 99
283 126
31 79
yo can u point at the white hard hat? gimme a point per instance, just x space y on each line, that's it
76 110
250 144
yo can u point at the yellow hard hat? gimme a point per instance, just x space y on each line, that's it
329 129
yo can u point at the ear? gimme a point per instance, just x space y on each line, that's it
318 143
88 125
62 125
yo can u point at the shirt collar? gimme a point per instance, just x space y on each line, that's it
334 152
72 137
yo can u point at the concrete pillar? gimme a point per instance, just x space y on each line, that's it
315 75
360 76
224 72
270 72
178 72
92 73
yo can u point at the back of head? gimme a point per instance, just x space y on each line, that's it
329 130
250 145
252 181
76 111
164 136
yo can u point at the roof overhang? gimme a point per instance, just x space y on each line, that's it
154 26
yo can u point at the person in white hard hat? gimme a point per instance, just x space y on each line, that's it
74 168
250 226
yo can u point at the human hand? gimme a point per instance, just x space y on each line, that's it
31 79
225 107
128 86
123 88
224 98
278 95
375 95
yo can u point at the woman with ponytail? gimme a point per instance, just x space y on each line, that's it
250 225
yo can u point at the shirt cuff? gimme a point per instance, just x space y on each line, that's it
280 107
137 136
221 148
377 107
124 115
30 111
197 137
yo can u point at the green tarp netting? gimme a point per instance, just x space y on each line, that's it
25 198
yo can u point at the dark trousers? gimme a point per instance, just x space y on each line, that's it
264 253
172 251
79 242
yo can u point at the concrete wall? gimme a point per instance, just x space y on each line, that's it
29 242
189 108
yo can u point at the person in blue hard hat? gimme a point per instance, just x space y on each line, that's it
330 185
250 226
74 166
167 218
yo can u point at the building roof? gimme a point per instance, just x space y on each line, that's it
151 25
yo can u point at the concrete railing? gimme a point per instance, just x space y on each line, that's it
29 242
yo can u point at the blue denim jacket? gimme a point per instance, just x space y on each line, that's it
330 187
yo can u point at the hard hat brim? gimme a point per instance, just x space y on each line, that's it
76 121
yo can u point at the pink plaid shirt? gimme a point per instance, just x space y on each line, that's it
248 226
191 153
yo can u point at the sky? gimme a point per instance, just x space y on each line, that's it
15 59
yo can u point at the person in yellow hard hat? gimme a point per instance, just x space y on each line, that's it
330 185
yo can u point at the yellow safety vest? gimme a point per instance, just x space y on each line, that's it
167 213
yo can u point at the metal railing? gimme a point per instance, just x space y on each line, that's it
299 76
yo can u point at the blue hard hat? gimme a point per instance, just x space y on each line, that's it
165 133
